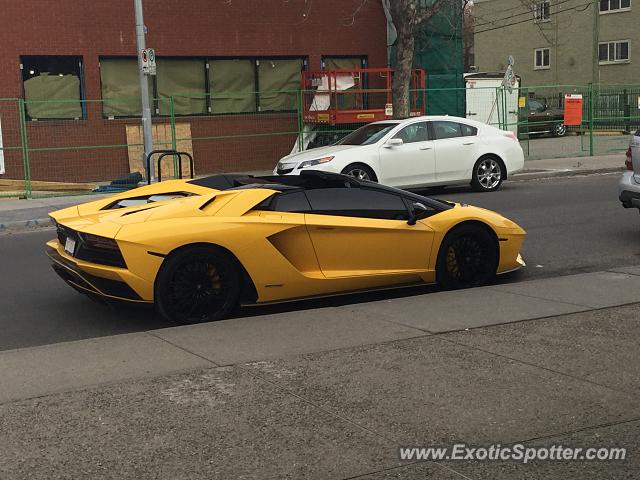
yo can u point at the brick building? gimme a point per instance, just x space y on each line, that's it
74 63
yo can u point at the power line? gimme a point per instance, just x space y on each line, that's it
576 8
528 12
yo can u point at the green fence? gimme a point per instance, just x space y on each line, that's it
80 144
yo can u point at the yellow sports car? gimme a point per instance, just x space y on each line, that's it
198 248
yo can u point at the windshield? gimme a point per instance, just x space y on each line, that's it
368 134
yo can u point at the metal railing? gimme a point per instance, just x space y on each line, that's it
251 131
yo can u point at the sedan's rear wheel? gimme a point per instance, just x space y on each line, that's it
197 284
488 173
360 171
468 257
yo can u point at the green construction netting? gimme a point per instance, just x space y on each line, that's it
120 87
53 96
232 84
439 51
276 75
184 80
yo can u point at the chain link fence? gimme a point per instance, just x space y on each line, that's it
61 147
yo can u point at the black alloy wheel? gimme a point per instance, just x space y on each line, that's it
198 284
468 257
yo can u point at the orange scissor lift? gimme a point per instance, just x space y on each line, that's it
363 95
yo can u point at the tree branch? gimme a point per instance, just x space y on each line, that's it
425 14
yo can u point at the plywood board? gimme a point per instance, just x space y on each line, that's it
162 141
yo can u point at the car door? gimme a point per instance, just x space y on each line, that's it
360 231
455 150
413 162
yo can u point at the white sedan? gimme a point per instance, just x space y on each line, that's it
418 152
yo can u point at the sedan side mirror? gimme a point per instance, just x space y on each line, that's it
418 211
393 142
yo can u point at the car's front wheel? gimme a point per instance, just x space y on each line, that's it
360 171
488 173
197 284
559 130
468 257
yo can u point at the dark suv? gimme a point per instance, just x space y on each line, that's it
541 118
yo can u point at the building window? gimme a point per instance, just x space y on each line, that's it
184 80
274 77
232 84
541 59
607 6
200 86
120 86
343 63
613 52
542 11
52 87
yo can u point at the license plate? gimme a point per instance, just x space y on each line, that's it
70 246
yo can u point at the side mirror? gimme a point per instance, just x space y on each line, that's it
418 211
393 142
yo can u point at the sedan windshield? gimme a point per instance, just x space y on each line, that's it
368 134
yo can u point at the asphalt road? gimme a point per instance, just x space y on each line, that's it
574 225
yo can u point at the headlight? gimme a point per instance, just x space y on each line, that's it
94 241
317 161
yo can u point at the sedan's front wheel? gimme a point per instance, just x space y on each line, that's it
488 173
559 129
360 171
197 284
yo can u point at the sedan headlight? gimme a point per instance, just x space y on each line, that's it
317 161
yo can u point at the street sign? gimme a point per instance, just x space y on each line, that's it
388 109
148 57
572 110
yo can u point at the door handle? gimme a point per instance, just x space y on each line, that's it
325 228
468 143
425 148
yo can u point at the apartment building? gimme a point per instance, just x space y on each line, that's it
562 42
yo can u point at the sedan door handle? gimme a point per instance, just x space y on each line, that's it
325 228
425 148
468 143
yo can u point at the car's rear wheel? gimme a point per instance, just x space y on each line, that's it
559 129
468 257
488 173
198 284
360 171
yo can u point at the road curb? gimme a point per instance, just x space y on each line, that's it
20 224
565 172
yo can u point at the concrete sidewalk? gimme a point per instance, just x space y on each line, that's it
20 213
333 392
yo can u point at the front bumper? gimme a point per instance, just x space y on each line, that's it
106 288
629 190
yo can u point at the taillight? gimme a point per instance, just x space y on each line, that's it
511 135
628 163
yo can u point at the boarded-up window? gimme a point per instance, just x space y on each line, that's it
347 100
335 63
276 76
232 86
184 80
120 87
52 87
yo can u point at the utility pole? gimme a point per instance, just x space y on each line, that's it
144 87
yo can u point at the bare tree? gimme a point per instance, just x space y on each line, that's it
407 16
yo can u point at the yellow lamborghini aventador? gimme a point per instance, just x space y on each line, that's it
198 248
